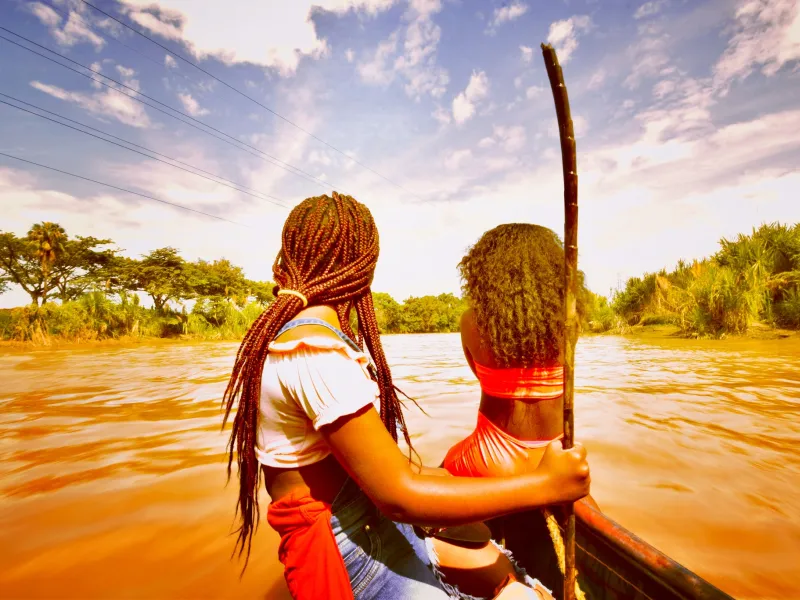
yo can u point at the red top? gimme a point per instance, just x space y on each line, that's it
491 452
543 382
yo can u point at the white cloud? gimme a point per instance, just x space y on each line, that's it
464 103
417 61
518 82
563 35
442 115
126 73
274 34
106 103
170 62
45 14
648 9
507 13
349 55
457 158
533 92
766 36
317 157
74 31
649 55
664 88
377 70
191 105
597 80
527 53
511 138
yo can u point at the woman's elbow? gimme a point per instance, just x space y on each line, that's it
398 504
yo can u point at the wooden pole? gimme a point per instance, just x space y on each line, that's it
569 162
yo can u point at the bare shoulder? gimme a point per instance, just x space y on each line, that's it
468 319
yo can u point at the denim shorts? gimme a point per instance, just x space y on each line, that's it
387 560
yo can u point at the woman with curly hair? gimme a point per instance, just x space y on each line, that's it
343 494
513 340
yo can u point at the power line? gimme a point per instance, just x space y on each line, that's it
254 195
241 93
67 14
181 206
105 133
273 160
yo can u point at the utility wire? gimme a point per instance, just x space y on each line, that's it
274 161
254 195
67 14
241 93
181 206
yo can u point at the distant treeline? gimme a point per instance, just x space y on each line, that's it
82 289
752 278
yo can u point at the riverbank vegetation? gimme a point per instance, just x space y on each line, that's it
83 289
752 280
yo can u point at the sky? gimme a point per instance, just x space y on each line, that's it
437 114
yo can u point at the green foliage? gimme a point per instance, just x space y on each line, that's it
92 317
596 314
752 278
47 263
787 311
162 274
218 318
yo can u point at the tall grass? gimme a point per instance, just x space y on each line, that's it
95 316
220 319
753 277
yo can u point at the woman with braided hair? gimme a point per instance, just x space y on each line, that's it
343 494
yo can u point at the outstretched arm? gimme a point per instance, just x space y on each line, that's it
366 450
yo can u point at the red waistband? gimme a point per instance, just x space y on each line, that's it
542 382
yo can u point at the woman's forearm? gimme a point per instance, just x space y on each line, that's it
440 501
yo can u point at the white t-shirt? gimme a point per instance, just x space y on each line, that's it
306 384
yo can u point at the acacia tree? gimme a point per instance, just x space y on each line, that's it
47 263
21 263
261 291
82 265
163 275
219 279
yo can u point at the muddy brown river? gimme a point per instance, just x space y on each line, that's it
112 476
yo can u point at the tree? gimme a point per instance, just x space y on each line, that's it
47 263
261 291
21 263
388 313
163 275
48 238
219 278
82 266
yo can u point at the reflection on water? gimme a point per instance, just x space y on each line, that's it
112 470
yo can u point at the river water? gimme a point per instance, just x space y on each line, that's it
112 478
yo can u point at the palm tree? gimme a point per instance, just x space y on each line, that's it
49 239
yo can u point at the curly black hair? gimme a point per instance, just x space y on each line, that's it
513 278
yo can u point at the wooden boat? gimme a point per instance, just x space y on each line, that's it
612 562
